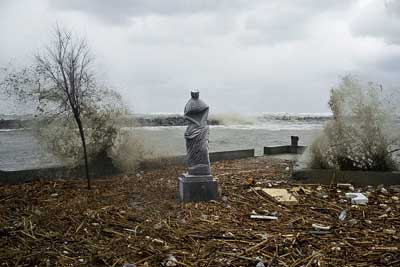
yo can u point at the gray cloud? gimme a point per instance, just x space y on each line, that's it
121 11
379 19
244 56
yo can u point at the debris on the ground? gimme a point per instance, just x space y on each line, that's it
389 231
352 222
139 221
344 186
281 195
250 180
171 261
343 215
318 226
383 191
381 248
263 217
357 198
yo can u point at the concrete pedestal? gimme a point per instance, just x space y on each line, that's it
195 188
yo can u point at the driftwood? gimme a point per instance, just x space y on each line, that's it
137 219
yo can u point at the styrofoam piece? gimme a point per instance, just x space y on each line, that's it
357 198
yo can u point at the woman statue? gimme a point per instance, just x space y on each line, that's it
196 135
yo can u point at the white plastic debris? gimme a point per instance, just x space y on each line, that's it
357 198
263 217
171 261
318 226
343 215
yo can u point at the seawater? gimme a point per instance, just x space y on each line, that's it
20 150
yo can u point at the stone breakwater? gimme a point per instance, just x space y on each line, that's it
173 120
15 124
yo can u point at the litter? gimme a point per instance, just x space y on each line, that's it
263 217
343 215
357 198
343 186
281 195
389 231
320 226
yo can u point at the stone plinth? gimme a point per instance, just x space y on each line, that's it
195 188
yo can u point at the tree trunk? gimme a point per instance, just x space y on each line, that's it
82 134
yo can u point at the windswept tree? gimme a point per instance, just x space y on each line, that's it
66 65
63 85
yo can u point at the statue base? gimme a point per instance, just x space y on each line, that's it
196 188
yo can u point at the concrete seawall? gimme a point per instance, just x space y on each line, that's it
273 150
181 160
104 167
324 176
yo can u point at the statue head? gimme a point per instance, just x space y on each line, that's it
195 94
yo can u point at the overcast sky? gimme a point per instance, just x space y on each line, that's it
243 55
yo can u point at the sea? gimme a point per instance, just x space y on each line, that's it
19 149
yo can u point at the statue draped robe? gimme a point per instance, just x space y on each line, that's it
196 135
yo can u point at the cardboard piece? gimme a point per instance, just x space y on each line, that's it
281 195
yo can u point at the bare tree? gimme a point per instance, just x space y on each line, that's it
62 85
66 66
